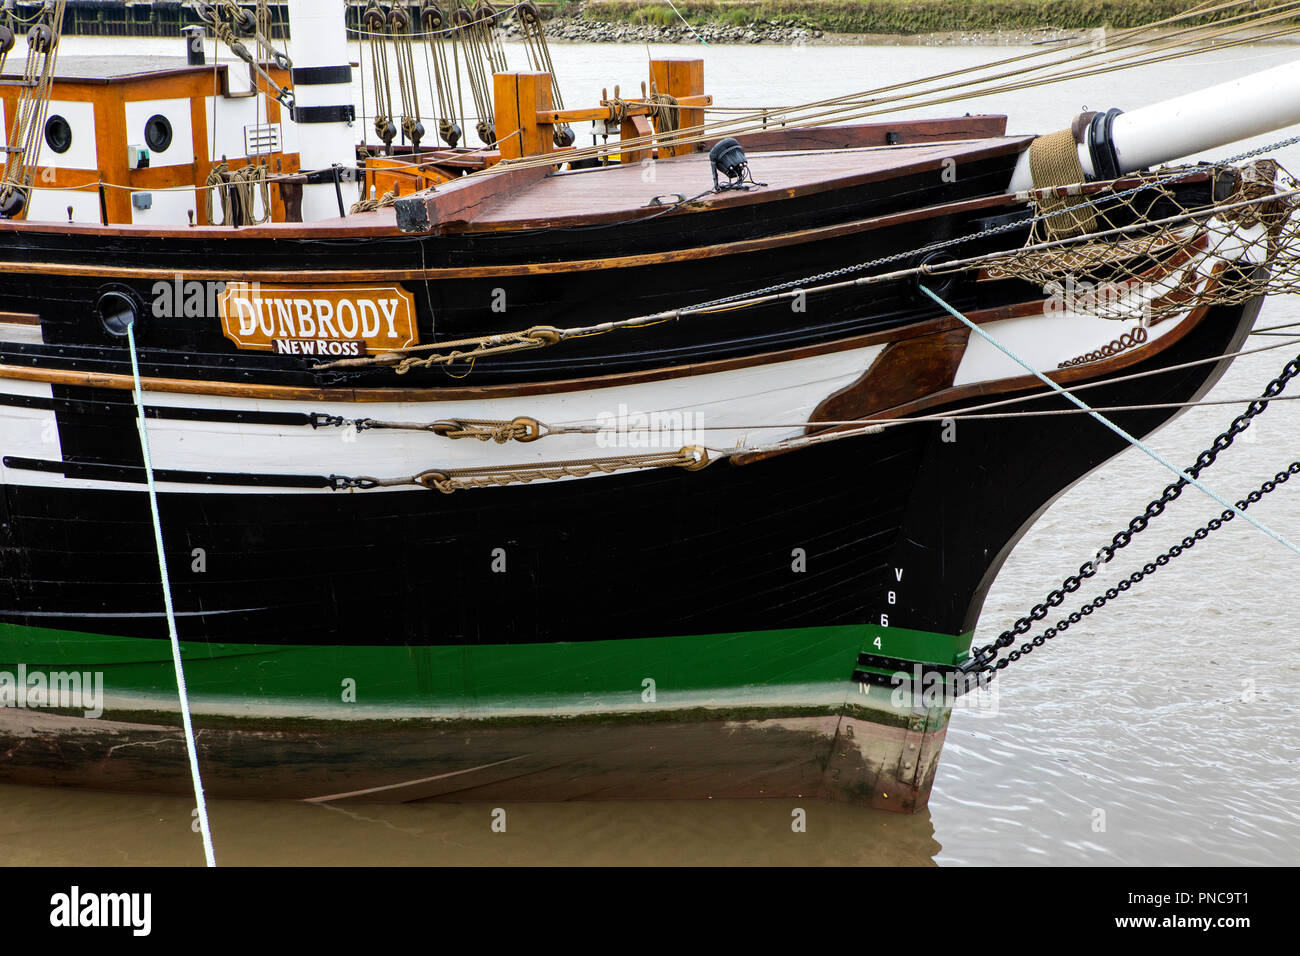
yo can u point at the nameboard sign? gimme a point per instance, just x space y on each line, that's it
329 321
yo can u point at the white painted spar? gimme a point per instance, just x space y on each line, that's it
318 34
1163 132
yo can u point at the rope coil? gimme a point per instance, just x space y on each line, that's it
1054 161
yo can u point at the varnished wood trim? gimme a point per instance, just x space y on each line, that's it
461 393
1005 387
857 135
19 318
906 369
518 269
470 194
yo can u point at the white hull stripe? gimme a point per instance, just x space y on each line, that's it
236 444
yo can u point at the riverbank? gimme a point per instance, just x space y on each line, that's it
894 17
827 22
579 30
838 22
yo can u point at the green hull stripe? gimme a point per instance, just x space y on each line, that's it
924 646
603 673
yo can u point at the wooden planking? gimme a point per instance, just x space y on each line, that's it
619 192
465 198
461 201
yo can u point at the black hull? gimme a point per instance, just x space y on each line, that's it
517 626
647 554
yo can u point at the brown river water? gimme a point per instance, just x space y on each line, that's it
1163 730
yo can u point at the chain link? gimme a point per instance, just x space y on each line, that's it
986 659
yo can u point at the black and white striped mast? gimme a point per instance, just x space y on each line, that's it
323 106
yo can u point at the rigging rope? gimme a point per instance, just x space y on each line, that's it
33 103
399 29
191 747
690 458
1054 161
694 457
539 60
526 429
451 118
385 129
8 38
238 191
474 30
227 32
1128 49
1132 440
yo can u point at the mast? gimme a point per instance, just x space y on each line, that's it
323 107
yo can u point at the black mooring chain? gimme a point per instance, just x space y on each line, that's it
1214 524
986 659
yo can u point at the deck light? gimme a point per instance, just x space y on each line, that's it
728 158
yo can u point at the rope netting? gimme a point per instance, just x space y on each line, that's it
1149 248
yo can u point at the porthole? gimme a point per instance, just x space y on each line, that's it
58 134
158 133
117 310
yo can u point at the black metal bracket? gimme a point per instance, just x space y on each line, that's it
346 113
956 677
1101 147
320 75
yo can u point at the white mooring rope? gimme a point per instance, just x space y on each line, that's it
206 830
1132 440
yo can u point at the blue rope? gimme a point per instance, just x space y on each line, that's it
1135 442
171 614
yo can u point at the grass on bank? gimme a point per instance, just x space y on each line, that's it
899 16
